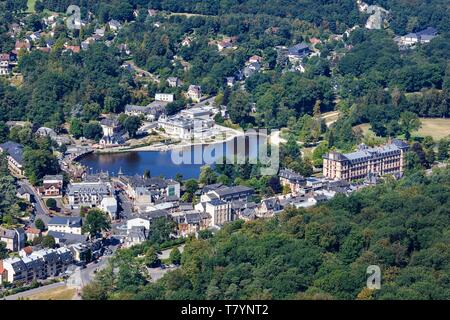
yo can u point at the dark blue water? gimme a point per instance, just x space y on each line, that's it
187 161
131 163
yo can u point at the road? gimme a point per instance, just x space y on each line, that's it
207 102
35 291
41 210
140 70
330 117
166 253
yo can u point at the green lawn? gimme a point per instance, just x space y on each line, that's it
31 4
437 128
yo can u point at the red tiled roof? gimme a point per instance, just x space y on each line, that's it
28 250
74 49
32 230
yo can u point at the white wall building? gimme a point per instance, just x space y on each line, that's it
166 97
71 225
109 205
87 193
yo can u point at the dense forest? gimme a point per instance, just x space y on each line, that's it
353 71
318 253
337 15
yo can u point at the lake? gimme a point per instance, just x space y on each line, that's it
132 163
161 163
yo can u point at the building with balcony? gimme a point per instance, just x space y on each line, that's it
378 161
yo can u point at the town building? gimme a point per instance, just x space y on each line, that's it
383 160
269 207
183 127
219 210
65 239
71 225
224 44
114 25
165 97
24 194
194 93
423 36
87 193
190 222
138 228
22 45
187 41
291 179
37 266
46 132
71 49
298 52
32 233
111 133
251 69
5 68
151 112
147 191
231 81
203 112
228 194
255 59
173 82
109 205
14 238
14 153
136 235
52 186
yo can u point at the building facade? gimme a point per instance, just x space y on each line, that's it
14 238
70 225
291 179
39 265
14 153
379 161
87 193
52 186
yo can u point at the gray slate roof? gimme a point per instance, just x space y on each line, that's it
73 222
14 149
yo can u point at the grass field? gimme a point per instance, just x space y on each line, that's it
437 128
60 293
31 4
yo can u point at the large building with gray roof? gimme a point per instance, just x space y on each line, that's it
381 160
14 153
87 193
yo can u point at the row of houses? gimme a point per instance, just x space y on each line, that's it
39 265
221 204
59 227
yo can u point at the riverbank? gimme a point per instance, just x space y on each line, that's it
231 134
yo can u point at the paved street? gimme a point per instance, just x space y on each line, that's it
166 253
40 210
34 291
